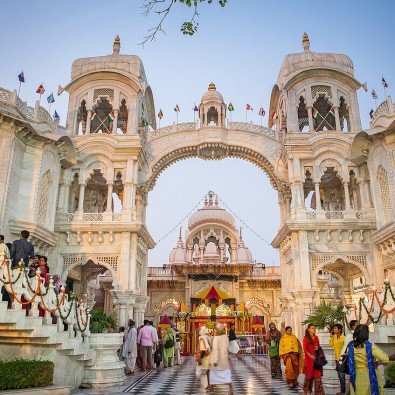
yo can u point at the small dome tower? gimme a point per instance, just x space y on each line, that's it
212 109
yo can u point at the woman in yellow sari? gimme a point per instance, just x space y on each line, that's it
291 353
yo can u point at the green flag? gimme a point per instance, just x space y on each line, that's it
230 107
144 122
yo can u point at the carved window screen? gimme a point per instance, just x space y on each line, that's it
317 89
103 92
44 198
385 194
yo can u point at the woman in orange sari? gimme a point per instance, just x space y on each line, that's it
291 353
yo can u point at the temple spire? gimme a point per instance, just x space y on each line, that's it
306 42
117 45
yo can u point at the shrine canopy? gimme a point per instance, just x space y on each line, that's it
213 293
164 322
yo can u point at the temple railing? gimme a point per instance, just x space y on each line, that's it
36 114
242 126
30 289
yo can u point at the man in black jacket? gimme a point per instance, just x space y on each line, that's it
22 249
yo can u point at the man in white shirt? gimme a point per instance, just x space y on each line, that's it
350 336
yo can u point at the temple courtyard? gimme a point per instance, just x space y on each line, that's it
250 374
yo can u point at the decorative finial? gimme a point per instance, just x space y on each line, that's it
117 45
179 236
306 42
241 233
212 87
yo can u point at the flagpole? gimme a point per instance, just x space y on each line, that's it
246 113
375 103
261 120
19 89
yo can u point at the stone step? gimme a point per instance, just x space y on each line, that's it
31 340
17 316
3 310
7 325
15 332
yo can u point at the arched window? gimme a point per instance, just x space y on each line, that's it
212 117
323 115
96 193
123 117
44 198
102 117
385 194
303 117
82 115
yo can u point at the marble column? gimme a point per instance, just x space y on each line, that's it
346 195
337 118
115 122
317 196
88 122
310 116
81 199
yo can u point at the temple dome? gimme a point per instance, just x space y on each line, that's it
178 252
243 253
296 63
212 95
211 212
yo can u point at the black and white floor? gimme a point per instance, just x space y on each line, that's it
250 375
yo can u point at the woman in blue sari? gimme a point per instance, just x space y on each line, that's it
364 377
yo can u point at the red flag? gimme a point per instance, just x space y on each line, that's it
262 112
40 89
249 108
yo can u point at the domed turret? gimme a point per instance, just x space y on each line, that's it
177 254
211 212
212 109
315 92
212 95
243 253
296 63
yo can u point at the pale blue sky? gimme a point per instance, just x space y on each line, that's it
240 48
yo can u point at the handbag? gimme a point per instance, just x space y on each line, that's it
320 360
343 365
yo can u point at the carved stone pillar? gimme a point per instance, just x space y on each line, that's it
346 195
337 118
109 196
310 116
81 199
88 122
115 122
317 196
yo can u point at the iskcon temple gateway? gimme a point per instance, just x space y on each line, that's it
82 192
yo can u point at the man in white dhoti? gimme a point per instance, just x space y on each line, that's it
129 352
219 359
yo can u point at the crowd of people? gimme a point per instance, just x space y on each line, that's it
148 348
308 358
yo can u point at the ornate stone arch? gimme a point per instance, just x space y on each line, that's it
319 262
164 306
82 261
259 303
322 165
214 151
